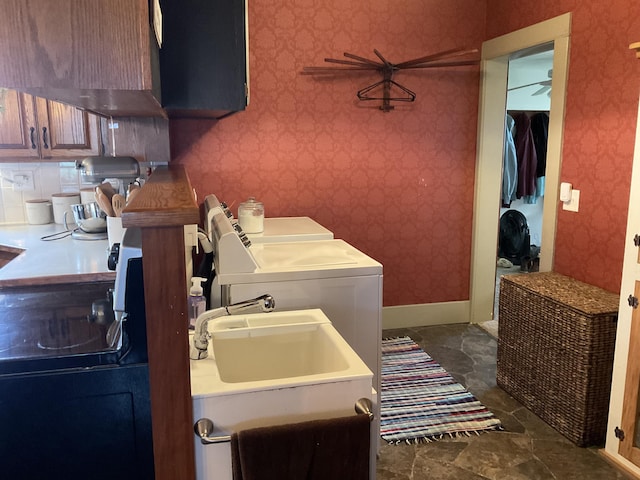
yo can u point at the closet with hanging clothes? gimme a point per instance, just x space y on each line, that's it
523 175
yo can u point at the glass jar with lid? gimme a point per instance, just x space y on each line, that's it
251 216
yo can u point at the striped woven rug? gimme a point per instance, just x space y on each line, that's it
420 401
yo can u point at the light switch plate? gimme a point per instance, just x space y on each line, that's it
572 205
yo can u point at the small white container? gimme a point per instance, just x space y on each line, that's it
251 216
88 195
39 211
61 203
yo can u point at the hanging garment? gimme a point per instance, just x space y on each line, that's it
540 132
527 159
509 164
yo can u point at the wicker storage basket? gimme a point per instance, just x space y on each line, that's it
556 339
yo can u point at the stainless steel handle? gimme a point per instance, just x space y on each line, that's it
203 428
364 406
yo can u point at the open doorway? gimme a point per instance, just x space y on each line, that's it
528 104
496 55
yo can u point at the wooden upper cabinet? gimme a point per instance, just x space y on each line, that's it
100 55
66 131
36 128
18 127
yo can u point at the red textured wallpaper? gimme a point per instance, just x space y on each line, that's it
600 124
398 185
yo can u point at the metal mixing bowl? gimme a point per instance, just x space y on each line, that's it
89 217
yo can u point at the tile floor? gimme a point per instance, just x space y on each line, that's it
527 449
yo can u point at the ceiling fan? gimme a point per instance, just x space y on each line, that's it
545 86
387 69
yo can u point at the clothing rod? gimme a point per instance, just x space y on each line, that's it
204 427
527 111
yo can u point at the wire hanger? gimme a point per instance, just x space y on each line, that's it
386 97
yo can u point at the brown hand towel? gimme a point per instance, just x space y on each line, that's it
337 448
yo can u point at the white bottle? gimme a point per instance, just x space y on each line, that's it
196 301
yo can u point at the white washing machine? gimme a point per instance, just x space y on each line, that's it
331 275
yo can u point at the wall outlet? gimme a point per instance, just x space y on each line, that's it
572 205
23 181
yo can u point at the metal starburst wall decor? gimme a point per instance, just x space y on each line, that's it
387 85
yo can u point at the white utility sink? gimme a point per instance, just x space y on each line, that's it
273 350
296 351
269 369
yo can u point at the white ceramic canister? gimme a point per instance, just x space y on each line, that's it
251 216
88 195
39 211
62 203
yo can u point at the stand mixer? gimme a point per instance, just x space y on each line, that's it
98 169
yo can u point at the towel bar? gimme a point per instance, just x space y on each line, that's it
204 427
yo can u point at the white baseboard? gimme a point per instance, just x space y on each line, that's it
426 314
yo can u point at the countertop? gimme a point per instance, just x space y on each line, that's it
66 260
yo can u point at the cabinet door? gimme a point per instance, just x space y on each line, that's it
18 129
98 55
96 413
65 131
623 436
203 60
630 436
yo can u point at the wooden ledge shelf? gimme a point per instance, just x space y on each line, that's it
164 205
166 200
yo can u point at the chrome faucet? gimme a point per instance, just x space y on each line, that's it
199 349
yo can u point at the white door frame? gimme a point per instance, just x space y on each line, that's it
491 125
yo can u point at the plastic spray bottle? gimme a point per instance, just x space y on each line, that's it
197 302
